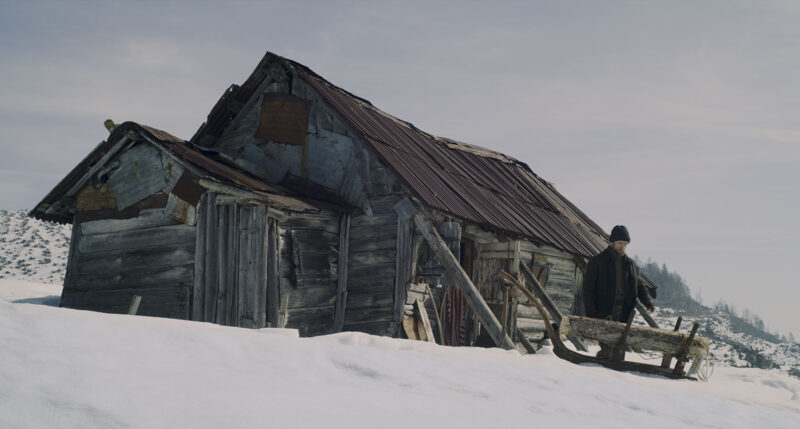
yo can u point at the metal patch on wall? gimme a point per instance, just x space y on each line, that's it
283 119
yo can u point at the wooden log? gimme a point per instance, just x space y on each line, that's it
460 278
539 291
640 337
525 343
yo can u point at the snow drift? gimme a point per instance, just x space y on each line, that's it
70 368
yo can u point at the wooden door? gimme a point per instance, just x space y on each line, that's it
231 284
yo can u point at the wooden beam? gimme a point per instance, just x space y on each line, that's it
548 303
460 278
668 356
341 283
426 322
134 307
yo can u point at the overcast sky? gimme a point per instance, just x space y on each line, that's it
677 119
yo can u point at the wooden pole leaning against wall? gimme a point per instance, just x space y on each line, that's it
460 278
548 303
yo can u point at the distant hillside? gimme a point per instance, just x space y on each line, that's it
32 250
737 339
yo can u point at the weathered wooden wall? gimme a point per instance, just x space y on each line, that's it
126 241
371 269
557 271
309 244
343 167
151 255
233 253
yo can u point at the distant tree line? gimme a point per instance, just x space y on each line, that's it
674 292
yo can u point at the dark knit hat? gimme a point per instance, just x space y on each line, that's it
620 233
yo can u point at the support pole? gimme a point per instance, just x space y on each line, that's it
668 356
647 317
548 303
460 278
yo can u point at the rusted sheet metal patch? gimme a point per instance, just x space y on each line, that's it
283 119
92 198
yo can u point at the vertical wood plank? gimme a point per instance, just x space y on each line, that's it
223 253
341 285
209 310
198 287
273 273
261 244
232 300
405 233
241 290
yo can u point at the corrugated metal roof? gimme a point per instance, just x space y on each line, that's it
469 182
196 157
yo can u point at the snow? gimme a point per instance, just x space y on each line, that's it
69 368
32 250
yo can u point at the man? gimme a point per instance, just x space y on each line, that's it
611 285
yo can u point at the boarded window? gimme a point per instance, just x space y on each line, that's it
283 119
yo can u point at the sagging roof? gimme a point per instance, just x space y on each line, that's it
188 154
469 182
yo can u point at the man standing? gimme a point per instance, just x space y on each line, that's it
611 285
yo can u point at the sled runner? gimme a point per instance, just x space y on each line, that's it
675 344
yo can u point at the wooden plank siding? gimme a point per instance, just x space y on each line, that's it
237 284
372 266
113 259
309 259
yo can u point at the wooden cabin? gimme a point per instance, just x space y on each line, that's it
298 204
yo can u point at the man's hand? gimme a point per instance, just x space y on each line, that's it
651 308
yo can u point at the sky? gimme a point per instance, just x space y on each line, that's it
676 119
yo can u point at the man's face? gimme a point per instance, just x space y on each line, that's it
619 246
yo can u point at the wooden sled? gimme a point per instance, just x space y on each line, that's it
620 335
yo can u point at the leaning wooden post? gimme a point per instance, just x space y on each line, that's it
549 304
647 317
460 278
681 356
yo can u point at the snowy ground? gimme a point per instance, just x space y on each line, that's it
69 368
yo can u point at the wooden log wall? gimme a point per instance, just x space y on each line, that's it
308 265
150 255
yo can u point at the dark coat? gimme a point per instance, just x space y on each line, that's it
599 286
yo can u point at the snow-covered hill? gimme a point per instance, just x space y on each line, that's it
32 250
730 347
36 251
78 369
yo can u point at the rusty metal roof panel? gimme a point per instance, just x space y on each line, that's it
466 181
